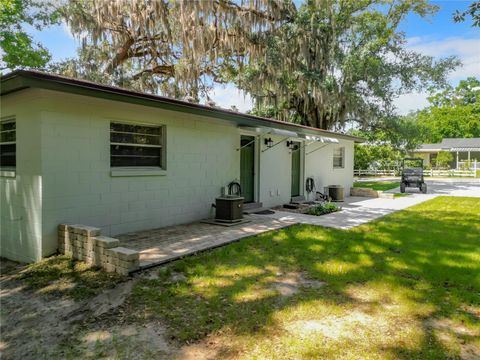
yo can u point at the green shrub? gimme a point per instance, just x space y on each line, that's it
323 209
444 158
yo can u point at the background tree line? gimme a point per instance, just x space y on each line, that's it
453 113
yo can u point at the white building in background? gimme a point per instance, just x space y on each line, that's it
464 151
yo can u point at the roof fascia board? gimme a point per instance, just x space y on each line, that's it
14 84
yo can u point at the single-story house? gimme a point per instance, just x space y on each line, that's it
74 151
464 150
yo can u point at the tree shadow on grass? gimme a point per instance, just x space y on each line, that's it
428 253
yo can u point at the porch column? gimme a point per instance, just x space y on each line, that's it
456 166
469 156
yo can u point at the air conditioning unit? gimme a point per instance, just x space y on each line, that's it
336 192
229 208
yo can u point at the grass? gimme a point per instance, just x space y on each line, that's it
63 276
401 194
377 185
406 286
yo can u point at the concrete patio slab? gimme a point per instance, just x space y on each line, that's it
163 245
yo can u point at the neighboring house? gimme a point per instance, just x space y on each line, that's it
74 151
464 150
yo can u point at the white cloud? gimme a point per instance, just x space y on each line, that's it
228 95
466 49
411 102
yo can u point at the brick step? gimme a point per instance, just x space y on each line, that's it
298 199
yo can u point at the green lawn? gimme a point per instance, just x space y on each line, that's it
377 185
406 286
397 195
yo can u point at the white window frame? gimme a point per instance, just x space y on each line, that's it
140 170
5 170
341 157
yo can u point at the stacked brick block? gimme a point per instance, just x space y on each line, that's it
366 192
85 243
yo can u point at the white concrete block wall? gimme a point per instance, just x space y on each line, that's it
275 173
319 165
20 196
64 175
79 188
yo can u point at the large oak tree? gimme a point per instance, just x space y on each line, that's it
322 64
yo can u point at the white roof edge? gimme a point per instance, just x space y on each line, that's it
427 150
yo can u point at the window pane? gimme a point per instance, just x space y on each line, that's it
7 155
338 157
123 155
152 130
143 149
126 150
134 138
7 136
8 125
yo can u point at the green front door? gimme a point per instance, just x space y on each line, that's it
247 167
296 170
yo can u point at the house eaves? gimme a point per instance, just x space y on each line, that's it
24 79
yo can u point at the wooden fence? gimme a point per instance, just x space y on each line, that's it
375 172
440 173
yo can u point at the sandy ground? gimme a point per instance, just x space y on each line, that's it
45 326
35 325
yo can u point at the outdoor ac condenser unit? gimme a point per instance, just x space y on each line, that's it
336 192
229 208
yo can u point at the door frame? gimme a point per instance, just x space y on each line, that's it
256 161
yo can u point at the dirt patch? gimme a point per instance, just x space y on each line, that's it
449 325
123 341
448 331
200 351
337 327
31 322
34 322
289 284
38 324
110 299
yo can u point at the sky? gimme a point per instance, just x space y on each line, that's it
437 36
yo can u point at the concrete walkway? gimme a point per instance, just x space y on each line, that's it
355 211
162 245
359 210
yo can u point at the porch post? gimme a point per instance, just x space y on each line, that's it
456 166
468 157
